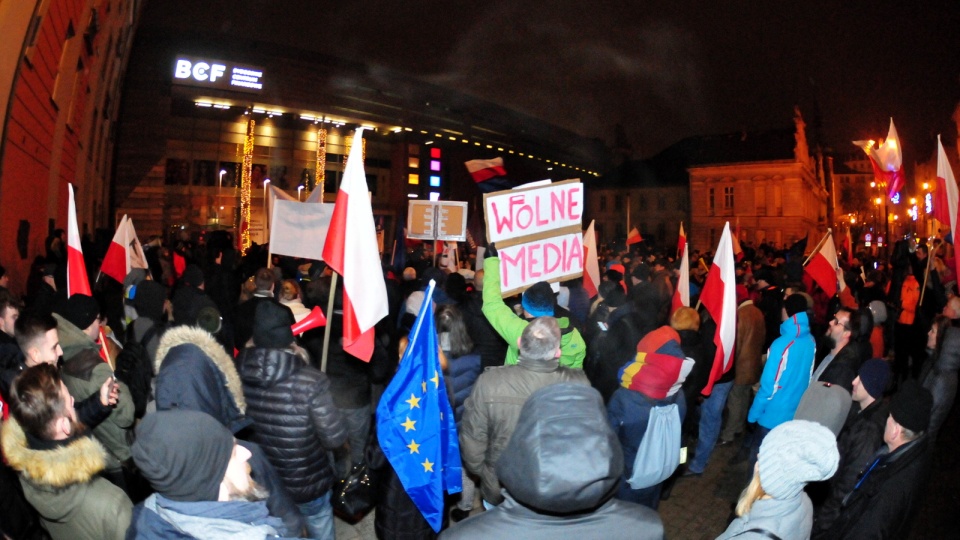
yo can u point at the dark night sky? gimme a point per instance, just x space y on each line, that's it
665 69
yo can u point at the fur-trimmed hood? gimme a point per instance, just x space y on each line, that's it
76 462
182 335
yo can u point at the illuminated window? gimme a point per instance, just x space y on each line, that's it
434 165
728 197
435 153
413 179
413 149
434 196
434 181
413 162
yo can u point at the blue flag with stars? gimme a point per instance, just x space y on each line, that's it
415 422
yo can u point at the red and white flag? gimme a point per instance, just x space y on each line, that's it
946 196
351 250
681 296
719 297
634 237
125 252
887 160
591 268
737 250
77 280
484 169
823 266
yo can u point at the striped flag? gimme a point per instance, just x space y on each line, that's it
719 297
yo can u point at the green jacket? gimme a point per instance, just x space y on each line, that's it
83 373
510 326
64 486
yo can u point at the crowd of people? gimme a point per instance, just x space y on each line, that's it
180 404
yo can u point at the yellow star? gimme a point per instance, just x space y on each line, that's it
414 447
409 424
435 380
427 466
414 401
424 385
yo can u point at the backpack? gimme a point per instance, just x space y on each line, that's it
659 452
134 367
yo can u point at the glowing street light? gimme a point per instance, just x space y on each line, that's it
299 189
219 190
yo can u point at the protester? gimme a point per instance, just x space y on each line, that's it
774 504
60 465
553 489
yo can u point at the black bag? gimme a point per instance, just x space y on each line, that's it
134 367
354 496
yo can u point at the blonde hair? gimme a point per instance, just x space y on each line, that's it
750 495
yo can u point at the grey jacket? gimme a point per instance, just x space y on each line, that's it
491 412
940 378
790 519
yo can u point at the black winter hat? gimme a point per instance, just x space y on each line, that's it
149 298
271 325
183 454
795 303
80 310
911 406
192 276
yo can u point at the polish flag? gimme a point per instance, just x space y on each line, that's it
351 250
681 296
946 196
719 297
125 252
591 268
77 280
737 250
886 160
823 266
484 169
634 237
681 241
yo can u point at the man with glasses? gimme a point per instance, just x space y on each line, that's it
840 365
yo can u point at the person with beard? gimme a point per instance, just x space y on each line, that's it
203 483
58 463
841 363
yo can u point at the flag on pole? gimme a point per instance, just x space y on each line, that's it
719 297
823 264
77 280
886 160
946 197
848 247
125 252
591 268
737 250
415 423
364 291
634 237
681 296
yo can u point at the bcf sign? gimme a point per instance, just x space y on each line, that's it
209 73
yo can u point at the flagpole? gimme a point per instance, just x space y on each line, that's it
326 328
819 245
926 272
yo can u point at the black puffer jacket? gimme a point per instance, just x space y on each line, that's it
295 419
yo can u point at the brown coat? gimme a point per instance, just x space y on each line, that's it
751 332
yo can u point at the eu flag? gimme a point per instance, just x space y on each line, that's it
415 422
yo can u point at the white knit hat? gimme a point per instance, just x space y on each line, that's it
794 453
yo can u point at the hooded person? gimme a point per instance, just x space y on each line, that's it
553 489
150 301
195 373
203 485
774 505
85 372
537 301
652 379
295 419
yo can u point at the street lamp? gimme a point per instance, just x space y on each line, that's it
299 189
219 191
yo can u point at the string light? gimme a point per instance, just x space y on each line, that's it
245 181
321 173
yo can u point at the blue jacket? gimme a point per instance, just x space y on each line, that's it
629 414
463 371
786 374
161 518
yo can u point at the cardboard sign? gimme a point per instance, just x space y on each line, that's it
557 258
437 220
519 215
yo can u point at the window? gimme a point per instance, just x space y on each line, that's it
618 202
413 162
712 201
413 179
413 149
682 203
728 197
603 203
778 199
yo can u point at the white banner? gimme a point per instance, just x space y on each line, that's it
557 258
299 229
